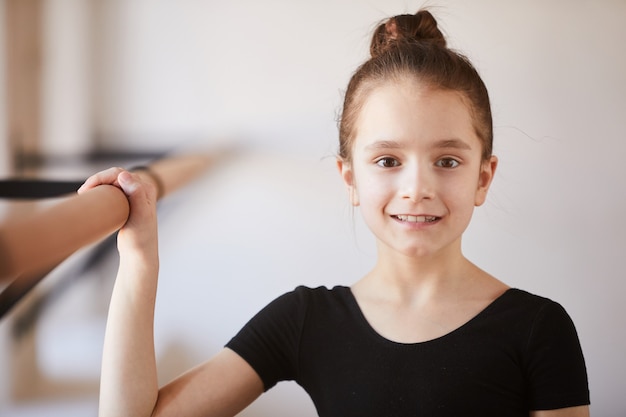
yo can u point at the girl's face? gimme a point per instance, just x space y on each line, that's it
416 169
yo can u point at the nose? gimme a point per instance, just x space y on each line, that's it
416 183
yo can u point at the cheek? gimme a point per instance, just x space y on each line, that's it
462 196
459 203
374 200
372 190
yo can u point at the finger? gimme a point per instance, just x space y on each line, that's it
141 195
137 186
108 176
128 182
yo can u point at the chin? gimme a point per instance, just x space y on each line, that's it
421 251
416 252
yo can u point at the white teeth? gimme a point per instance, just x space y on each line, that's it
416 219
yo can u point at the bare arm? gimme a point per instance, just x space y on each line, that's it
128 384
582 411
221 387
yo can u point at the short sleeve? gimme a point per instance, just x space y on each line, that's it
556 367
269 341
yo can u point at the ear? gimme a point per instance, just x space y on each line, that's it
487 172
347 174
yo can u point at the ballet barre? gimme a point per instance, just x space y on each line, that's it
34 244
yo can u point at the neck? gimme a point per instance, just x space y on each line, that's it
405 277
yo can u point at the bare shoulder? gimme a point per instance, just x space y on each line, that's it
485 285
582 411
222 386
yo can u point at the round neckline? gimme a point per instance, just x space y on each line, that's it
356 308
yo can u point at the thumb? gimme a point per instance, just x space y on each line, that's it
127 182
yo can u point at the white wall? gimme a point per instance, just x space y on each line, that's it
271 72
266 70
66 116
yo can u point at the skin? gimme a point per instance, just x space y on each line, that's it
415 154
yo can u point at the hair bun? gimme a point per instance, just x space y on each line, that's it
420 27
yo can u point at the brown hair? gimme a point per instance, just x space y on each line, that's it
413 45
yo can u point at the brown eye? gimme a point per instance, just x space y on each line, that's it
387 162
447 163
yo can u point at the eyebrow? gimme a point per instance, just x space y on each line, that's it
453 143
383 144
441 144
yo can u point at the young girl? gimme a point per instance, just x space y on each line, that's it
426 332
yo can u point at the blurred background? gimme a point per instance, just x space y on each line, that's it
87 84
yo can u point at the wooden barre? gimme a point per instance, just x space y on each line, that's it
39 241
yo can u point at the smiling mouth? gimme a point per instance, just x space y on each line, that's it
416 219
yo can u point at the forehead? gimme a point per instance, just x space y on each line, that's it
407 110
